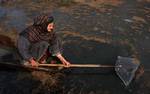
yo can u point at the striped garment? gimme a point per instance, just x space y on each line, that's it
38 31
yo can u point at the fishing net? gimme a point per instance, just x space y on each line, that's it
127 69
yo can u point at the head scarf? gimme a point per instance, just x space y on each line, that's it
38 31
43 21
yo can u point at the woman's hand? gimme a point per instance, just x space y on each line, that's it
33 62
63 60
66 63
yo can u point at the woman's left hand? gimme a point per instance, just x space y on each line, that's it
63 60
66 63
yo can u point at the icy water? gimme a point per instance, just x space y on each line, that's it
91 35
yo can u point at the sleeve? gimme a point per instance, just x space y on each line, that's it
23 47
56 46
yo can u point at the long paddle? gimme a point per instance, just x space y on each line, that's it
79 65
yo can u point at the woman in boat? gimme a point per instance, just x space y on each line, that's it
39 41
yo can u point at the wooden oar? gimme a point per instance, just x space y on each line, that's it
78 65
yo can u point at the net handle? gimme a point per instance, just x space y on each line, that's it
78 65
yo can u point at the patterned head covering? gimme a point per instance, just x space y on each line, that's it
38 31
43 21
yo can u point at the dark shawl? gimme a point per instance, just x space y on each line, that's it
38 31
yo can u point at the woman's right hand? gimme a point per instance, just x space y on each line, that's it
33 62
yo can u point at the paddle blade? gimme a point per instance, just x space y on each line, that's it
127 70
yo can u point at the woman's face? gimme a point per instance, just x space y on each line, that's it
50 27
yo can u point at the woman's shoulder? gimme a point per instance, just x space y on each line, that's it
29 28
